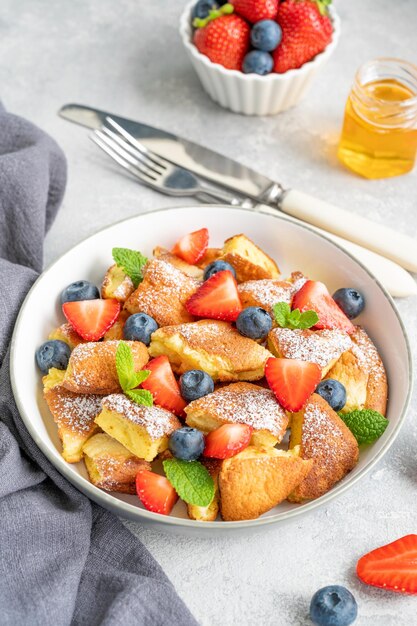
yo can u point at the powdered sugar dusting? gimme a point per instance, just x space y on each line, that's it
319 347
367 355
267 292
73 411
157 422
319 435
105 350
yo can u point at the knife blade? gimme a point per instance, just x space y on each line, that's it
247 182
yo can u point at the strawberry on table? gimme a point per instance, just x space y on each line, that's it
163 386
256 10
192 247
292 381
306 31
393 566
91 319
224 40
155 492
217 298
314 296
227 440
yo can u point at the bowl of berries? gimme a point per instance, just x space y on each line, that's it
258 57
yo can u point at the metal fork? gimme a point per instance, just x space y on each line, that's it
155 171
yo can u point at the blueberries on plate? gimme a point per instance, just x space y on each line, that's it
266 35
218 266
203 8
333 606
333 392
350 301
80 290
258 62
187 443
254 322
52 353
195 384
139 327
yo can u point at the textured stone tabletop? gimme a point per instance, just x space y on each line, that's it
126 56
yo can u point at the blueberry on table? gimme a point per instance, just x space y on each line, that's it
257 62
53 353
333 606
203 8
218 266
333 392
254 322
350 301
139 327
187 443
195 384
80 290
266 35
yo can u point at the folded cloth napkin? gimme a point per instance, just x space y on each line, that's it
64 560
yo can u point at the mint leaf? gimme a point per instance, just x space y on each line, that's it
138 378
191 481
366 425
308 319
128 378
281 311
132 263
286 318
294 318
140 396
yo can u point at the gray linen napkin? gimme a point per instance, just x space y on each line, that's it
63 559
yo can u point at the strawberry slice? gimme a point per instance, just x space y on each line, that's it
314 295
192 247
155 492
163 385
227 440
91 319
392 567
292 381
217 298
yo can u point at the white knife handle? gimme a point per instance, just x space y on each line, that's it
390 243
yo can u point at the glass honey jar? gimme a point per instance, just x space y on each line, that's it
379 136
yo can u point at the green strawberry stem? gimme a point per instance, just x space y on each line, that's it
322 6
226 9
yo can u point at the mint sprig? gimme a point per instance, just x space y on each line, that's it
131 262
286 318
191 481
128 378
366 425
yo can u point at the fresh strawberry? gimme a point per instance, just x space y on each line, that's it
217 298
91 319
292 381
163 386
392 567
314 295
193 246
227 440
224 40
256 10
155 492
306 31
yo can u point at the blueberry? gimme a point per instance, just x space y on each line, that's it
195 384
266 35
218 266
187 443
254 322
257 62
203 8
53 353
80 290
350 301
333 392
139 327
333 606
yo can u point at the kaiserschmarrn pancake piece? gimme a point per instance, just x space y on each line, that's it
248 260
67 334
116 284
92 366
163 293
323 347
116 331
241 403
144 430
212 346
191 270
210 512
323 437
210 255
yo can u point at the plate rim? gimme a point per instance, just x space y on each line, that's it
137 514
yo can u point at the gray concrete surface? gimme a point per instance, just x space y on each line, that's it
126 57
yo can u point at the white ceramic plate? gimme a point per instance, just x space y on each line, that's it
294 247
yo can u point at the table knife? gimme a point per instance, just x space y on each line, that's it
248 183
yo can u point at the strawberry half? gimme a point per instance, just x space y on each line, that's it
155 492
91 319
217 298
256 10
392 567
192 247
314 295
292 381
227 440
163 386
224 40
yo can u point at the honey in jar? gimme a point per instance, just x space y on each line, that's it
379 136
